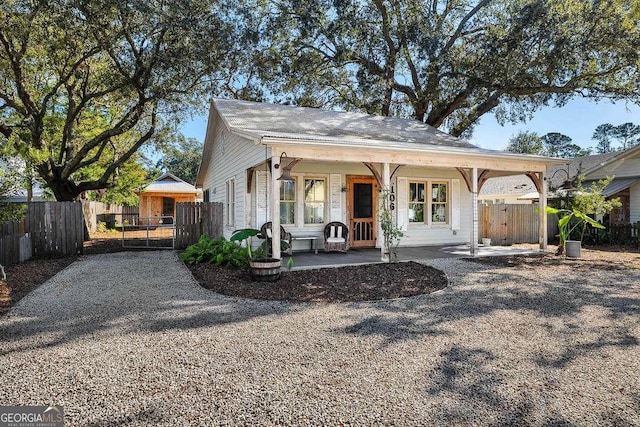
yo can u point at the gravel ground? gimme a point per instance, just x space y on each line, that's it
131 339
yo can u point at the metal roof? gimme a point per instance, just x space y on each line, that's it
169 183
285 121
615 186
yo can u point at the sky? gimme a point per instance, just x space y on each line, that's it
578 119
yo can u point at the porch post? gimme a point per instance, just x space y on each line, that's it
386 186
473 244
542 223
275 206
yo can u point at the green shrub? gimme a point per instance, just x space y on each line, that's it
103 227
220 252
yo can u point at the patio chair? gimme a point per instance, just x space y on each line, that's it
336 237
285 236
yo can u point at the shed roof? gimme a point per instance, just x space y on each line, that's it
169 183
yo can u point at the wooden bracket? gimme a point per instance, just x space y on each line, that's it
394 171
466 177
250 179
375 173
533 176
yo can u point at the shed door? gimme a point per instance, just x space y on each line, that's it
168 209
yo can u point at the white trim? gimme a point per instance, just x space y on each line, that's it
427 222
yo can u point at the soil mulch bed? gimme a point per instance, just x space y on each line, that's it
25 277
341 284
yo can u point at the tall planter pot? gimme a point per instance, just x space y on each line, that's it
572 248
265 269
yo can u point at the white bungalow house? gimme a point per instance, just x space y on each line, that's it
339 162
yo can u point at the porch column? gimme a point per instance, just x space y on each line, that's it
275 206
386 186
542 223
473 244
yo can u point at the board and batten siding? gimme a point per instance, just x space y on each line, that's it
634 203
232 155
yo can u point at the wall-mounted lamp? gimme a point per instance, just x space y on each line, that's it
568 183
286 170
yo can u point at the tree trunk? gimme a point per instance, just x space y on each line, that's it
63 191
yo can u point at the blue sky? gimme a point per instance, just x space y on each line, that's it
577 119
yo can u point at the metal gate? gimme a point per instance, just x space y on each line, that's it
150 232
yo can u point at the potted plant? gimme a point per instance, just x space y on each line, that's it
261 268
575 219
568 222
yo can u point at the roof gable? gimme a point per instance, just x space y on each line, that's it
169 183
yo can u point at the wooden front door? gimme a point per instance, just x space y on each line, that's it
363 207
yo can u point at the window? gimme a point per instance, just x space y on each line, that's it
314 200
416 202
288 202
439 208
230 201
436 210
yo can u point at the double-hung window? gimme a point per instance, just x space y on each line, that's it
314 200
429 202
288 202
439 203
230 201
416 201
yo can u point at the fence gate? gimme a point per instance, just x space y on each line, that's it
506 224
151 232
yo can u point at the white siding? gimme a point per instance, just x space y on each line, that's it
415 235
628 168
634 203
232 156
422 234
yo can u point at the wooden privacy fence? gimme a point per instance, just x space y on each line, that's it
96 212
15 245
196 219
56 228
507 224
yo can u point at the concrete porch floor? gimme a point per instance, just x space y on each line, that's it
306 260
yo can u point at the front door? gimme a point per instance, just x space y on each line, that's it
363 203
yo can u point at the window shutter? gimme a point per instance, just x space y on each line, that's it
455 204
335 212
402 203
261 198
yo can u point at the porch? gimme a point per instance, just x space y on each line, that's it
307 260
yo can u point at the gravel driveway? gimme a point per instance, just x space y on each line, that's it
131 339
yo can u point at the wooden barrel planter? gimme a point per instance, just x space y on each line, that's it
265 270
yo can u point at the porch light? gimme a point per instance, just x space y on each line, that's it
286 171
568 183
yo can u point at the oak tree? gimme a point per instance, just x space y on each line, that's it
447 63
87 83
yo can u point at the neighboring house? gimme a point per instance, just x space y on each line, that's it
339 162
158 200
623 166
